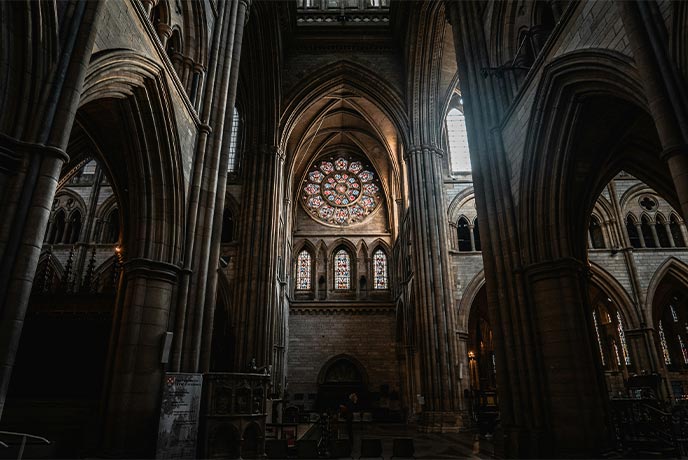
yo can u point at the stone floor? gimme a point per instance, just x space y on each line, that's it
427 445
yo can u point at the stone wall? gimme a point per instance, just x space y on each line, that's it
316 335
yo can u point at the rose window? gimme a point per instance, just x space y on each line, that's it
341 192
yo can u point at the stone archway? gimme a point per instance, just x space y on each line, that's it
338 378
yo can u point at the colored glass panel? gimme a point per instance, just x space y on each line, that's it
380 269
342 270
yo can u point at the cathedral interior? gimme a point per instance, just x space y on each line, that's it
220 218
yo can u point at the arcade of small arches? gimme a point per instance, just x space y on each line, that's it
342 270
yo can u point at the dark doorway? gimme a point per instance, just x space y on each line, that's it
338 379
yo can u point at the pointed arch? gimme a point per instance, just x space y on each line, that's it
670 267
342 269
355 77
463 228
146 164
575 86
634 236
458 202
470 292
380 269
646 224
305 267
596 233
343 357
607 283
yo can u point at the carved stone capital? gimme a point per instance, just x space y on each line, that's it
424 149
151 269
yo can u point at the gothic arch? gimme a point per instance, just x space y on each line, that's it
353 77
379 243
350 249
353 360
78 200
146 164
562 174
106 206
608 284
470 292
633 192
461 198
671 267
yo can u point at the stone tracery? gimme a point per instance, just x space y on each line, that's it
341 191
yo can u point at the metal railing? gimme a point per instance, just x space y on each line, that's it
24 437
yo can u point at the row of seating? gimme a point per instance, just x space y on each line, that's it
402 448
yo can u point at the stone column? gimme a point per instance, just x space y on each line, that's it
526 306
454 233
470 229
32 150
639 229
255 293
666 96
435 317
133 404
215 210
655 237
214 113
574 386
667 229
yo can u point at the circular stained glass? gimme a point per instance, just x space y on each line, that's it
341 191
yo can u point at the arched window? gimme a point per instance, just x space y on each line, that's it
464 235
58 228
672 329
458 141
596 236
380 270
74 227
476 235
676 233
112 227
662 234
304 271
227 226
233 140
342 270
632 232
610 335
646 229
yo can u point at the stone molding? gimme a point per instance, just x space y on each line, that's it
672 151
423 149
11 147
344 309
151 269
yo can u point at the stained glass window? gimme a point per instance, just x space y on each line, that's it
233 138
341 190
599 339
342 270
303 274
674 315
663 342
458 141
380 269
622 339
616 353
684 351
